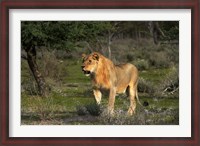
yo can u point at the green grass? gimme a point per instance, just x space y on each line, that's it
74 72
155 75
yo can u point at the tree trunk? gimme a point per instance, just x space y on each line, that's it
109 43
156 31
31 58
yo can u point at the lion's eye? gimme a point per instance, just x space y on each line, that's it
90 61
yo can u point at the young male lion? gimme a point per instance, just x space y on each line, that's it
115 78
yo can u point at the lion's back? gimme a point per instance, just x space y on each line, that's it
126 69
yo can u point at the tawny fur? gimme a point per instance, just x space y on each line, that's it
115 78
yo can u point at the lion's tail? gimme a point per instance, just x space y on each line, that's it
145 102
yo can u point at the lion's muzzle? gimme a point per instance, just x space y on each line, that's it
86 72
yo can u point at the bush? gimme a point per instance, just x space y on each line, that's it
130 57
92 109
142 64
45 109
29 86
172 52
171 83
159 59
63 54
145 86
52 68
120 117
81 110
50 65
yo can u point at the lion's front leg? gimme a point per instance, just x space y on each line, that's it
111 101
97 95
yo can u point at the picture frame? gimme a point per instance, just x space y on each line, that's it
88 4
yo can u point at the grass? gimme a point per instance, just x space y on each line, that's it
66 103
55 107
63 110
155 75
74 73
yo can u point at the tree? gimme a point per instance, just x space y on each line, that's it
32 36
57 35
112 29
35 34
171 30
165 30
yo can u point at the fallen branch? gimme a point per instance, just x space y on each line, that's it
172 92
169 88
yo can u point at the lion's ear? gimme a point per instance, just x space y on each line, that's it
95 56
83 56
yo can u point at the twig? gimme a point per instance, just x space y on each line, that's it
172 92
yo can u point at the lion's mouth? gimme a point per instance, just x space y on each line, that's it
87 73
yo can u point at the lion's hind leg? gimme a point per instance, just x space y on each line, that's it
132 96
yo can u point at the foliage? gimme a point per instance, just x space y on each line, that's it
159 59
61 34
171 30
81 110
66 34
91 108
171 83
145 86
142 64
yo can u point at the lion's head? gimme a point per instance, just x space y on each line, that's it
90 63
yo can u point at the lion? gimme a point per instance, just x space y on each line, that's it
114 78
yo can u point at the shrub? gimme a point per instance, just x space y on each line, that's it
94 109
51 68
159 59
49 65
63 54
120 117
145 86
81 110
30 87
142 64
173 53
171 83
45 109
130 57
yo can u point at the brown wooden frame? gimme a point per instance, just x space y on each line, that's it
6 5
